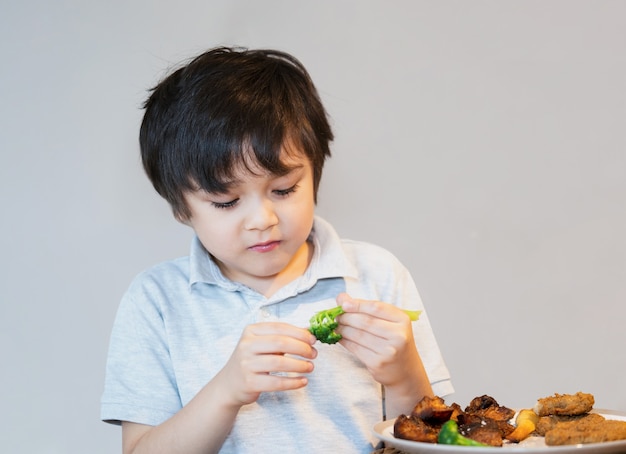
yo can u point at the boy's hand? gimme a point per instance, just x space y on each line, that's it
263 358
380 335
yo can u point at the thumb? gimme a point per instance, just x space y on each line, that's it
346 302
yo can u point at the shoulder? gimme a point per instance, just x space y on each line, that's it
362 254
373 261
174 271
160 283
366 250
380 275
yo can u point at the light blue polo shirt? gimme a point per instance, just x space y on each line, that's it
179 322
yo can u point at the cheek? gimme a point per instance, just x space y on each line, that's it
221 244
302 216
214 234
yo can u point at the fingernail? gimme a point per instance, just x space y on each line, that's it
348 304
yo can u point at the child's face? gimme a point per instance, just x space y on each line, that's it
257 231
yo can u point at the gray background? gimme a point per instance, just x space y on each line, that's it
483 142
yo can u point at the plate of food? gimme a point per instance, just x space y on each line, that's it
559 424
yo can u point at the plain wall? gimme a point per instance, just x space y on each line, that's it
483 142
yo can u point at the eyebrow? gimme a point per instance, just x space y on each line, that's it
290 169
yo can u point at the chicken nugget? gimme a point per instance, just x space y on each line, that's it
565 404
606 430
547 423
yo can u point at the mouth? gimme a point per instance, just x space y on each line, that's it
265 247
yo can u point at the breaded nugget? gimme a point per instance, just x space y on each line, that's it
606 430
565 404
548 423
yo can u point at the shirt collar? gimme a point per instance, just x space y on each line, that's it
329 260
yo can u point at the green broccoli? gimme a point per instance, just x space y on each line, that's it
323 324
450 435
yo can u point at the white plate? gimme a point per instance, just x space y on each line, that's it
535 445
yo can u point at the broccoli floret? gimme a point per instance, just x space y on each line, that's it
450 435
323 324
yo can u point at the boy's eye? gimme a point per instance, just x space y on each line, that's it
285 192
224 205
232 203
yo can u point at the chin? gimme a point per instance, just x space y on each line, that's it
272 270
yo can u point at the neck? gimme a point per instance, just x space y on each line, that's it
296 268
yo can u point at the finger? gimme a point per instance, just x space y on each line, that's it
358 314
350 304
376 309
284 329
367 336
367 352
276 363
269 338
279 345
343 298
355 305
273 382
368 330
289 364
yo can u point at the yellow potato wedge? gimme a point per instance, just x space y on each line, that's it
525 424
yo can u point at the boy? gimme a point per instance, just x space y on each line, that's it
211 352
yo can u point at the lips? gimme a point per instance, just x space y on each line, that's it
268 246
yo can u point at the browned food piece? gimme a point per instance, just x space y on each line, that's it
480 429
484 420
485 430
433 410
488 407
425 421
478 403
548 423
565 404
606 430
415 429
456 411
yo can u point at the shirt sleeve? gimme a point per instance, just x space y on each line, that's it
140 384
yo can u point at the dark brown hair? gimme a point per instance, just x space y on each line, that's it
202 119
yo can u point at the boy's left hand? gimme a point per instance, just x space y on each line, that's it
380 335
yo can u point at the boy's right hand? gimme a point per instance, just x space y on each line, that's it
270 356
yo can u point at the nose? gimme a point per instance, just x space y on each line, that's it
261 215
